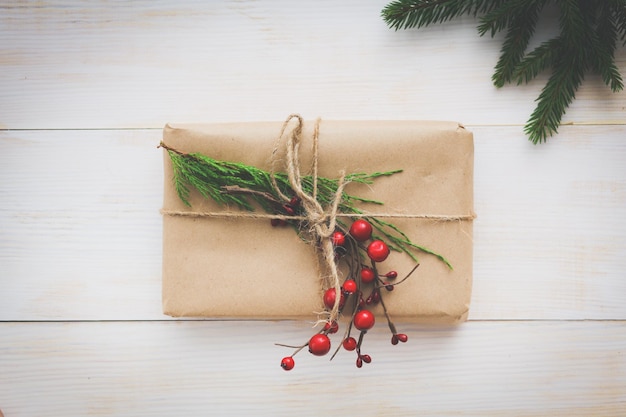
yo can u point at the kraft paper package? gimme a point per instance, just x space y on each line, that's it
243 268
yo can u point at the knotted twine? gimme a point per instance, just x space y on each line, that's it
319 222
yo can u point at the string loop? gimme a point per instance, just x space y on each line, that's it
320 221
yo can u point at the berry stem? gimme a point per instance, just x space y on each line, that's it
235 189
358 343
392 326
299 348
403 279
353 258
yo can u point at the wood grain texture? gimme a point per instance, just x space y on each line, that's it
86 87
82 232
137 64
232 369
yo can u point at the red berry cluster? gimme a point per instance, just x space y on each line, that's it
361 290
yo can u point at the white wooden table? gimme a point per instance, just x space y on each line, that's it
86 87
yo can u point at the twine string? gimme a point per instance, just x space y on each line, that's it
317 222
253 215
320 223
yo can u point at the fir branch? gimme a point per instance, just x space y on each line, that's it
541 58
401 242
571 21
604 44
243 186
556 96
521 18
406 14
506 14
618 8
589 32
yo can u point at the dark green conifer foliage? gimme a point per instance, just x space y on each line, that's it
589 34
242 186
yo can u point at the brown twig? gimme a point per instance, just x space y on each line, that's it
235 189
168 148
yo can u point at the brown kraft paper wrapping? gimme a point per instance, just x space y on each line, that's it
244 268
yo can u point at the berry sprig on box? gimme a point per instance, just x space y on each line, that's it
363 288
359 246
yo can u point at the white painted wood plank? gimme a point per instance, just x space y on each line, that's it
87 64
80 233
551 226
231 368
80 225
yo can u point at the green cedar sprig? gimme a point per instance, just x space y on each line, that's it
242 186
589 32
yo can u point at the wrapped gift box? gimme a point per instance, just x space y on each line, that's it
221 267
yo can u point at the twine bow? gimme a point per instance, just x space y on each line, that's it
317 223
320 222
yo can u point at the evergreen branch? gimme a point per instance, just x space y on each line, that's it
406 14
571 21
536 61
618 8
604 43
401 241
556 96
567 76
242 186
522 21
589 32
505 14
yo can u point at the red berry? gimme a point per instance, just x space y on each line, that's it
338 238
349 344
287 363
349 286
359 362
366 358
364 320
332 328
391 275
330 296
402 337
361 230
388 286
394 340
319 345
295 201
278 222
378 251
290 211
374 297
367 275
